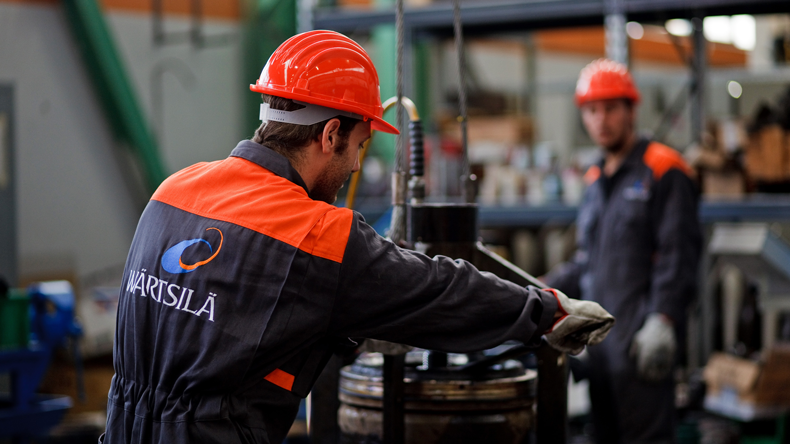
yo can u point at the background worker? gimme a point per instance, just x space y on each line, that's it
242 278
638 244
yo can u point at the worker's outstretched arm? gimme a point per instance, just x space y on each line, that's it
399 295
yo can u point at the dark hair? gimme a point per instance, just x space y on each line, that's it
289 139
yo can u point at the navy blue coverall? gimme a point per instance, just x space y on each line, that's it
638 246
238 286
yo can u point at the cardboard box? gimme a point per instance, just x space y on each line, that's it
508 130
767 158
491 139
755 383
723 184
730 135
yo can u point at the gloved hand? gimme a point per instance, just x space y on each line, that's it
654 348
582 323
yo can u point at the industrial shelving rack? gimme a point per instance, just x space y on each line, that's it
484 17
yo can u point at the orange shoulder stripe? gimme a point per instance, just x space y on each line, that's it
592 174
281 379
661 158
243 193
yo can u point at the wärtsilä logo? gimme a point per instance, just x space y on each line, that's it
171 260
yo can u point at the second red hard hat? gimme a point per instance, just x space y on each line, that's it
605 79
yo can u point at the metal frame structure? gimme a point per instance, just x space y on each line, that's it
486 17
492 17
483 17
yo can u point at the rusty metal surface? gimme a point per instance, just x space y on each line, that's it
431 394
362 426
464 398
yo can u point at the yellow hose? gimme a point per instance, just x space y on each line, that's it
352 189
411 110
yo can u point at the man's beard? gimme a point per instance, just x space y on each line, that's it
619 145
330 181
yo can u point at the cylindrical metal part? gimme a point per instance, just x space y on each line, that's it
440 406
417 190
398 188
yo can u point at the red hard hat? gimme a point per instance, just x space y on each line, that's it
328 69
605 79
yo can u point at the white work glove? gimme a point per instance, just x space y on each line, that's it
582 323
654 347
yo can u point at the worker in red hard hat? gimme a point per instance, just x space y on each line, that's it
243 278
638 247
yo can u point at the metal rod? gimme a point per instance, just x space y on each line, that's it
552 422
397 231
616 38
196 32
394 424
156 19
466 185
698 81
393 371
399 140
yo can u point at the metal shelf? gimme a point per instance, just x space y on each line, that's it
484 17
526 216
755 208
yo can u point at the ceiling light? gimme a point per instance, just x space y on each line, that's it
679 27
735 89
634 30
717 28
744 31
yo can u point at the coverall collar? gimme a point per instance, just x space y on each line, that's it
269 159
637 152
633 158
631 161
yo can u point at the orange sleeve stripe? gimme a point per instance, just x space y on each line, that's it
281 379
592 174
334 225
240 192
661 158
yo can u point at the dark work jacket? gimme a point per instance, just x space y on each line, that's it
238 285
638 243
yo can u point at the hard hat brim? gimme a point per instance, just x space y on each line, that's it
382 125
377 123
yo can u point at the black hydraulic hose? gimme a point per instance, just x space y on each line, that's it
417 156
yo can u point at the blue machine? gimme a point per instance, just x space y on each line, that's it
25 414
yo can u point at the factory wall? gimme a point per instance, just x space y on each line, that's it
78 194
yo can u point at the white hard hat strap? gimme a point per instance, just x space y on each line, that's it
308 115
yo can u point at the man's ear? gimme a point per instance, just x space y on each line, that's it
330 141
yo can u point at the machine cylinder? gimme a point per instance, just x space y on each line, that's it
441 405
